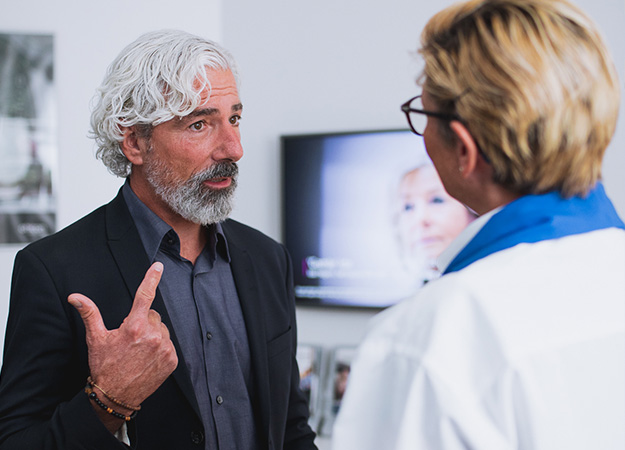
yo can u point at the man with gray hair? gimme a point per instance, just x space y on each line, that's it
156 322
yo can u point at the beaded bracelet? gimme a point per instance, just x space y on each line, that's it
93 396
111 398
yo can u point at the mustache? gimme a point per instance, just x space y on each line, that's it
218 170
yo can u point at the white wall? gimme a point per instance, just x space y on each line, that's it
327 65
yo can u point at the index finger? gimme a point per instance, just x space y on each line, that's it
147 291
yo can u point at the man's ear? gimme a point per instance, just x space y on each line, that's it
132 145
466 148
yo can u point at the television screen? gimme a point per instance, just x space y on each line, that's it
364 216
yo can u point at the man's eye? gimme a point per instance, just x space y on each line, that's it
197 126
234 120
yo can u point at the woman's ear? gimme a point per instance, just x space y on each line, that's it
131 146
467 150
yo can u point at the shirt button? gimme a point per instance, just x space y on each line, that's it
219 399
197 437
209 335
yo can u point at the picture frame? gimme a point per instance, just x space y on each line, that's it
310 359
335 384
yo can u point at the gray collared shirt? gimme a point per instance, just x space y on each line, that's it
203 305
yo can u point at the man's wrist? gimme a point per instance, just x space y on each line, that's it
111 418
109 397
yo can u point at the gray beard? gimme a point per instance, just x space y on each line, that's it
190 198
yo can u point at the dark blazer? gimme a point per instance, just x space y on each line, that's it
42 403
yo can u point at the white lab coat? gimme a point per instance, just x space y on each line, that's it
524 349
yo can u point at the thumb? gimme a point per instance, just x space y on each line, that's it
90 314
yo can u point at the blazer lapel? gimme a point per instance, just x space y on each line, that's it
127 249
246 282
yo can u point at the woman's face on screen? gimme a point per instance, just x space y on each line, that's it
428 218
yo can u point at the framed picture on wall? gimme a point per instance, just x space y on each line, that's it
28 142
335 384
310 362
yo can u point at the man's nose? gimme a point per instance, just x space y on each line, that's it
230 147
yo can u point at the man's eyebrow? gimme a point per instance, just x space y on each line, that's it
203 112
212 111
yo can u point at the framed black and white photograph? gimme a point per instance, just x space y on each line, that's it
28 137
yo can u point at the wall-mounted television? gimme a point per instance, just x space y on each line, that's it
364 216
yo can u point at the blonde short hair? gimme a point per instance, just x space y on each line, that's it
533 82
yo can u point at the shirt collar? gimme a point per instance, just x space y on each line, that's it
153 229
456 246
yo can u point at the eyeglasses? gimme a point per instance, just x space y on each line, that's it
418 117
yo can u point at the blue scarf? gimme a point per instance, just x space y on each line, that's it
535 218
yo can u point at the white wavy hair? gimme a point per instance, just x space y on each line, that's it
154 79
